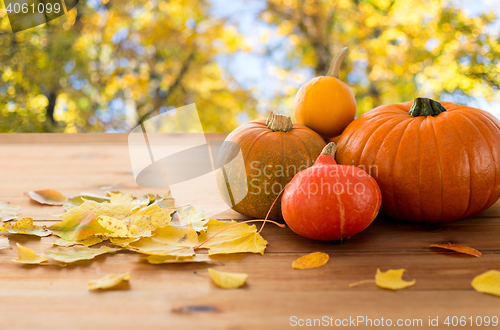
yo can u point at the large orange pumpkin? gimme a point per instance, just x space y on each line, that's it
434 162
273 152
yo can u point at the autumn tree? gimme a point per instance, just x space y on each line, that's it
398 49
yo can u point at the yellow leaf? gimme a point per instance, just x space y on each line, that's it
313 260
25 226
4 243
117 228
392 279
488 282
89 241
156 259
108 282
28 256
78 226
8 211
237 239
168 241
77 253
123 242
227 280
188 215
150 217
48 197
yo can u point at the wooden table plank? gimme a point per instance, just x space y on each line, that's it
160 296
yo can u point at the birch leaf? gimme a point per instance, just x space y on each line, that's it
9 212
108 282
25 226
122 242
312 260
238 239
392 279
47 197
89 241
488 282
117 228
458 248
188 215
168 241
77 253
227 280
28 256
4 243
78 226
78 200
157 259
150 217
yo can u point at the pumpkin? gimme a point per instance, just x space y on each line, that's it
273 152
434 161
326 104
330 202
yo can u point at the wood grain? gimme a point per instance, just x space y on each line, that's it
183 297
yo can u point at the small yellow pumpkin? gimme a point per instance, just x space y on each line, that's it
325 104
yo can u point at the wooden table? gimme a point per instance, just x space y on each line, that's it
183 296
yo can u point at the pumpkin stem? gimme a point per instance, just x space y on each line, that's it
330 149
334 69
279 123
423 106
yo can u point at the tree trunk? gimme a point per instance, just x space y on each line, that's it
51 106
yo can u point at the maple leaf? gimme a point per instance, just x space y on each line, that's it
77 253
25 226
78 200
28 256
89 241
47 197
78 226
392 279
188 215
239 238
312 260
458 248
158 259
488 282
9 212
168 241
227 280
110 281
4 243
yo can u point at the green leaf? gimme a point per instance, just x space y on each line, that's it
78 226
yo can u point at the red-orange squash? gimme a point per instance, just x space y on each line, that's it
434 162
273 152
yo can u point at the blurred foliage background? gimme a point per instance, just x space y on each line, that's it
107 66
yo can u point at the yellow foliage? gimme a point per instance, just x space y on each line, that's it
227 280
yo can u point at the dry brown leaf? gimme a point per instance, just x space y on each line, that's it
227 280
458 248
312 260
9 212
47 197
107 282
28 256
392 279
25 226
488 282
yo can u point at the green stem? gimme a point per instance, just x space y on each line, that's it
426 107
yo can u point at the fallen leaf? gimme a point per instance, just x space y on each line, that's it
361 282
238 239
123 242
117 228
48 197
78 226
77 253
28 256
89 241
156 259
168 241
488 282
25 226
150 217
188 215
227 280
458 248
108 282
78 200
4 243
392 279
312 260
9 212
